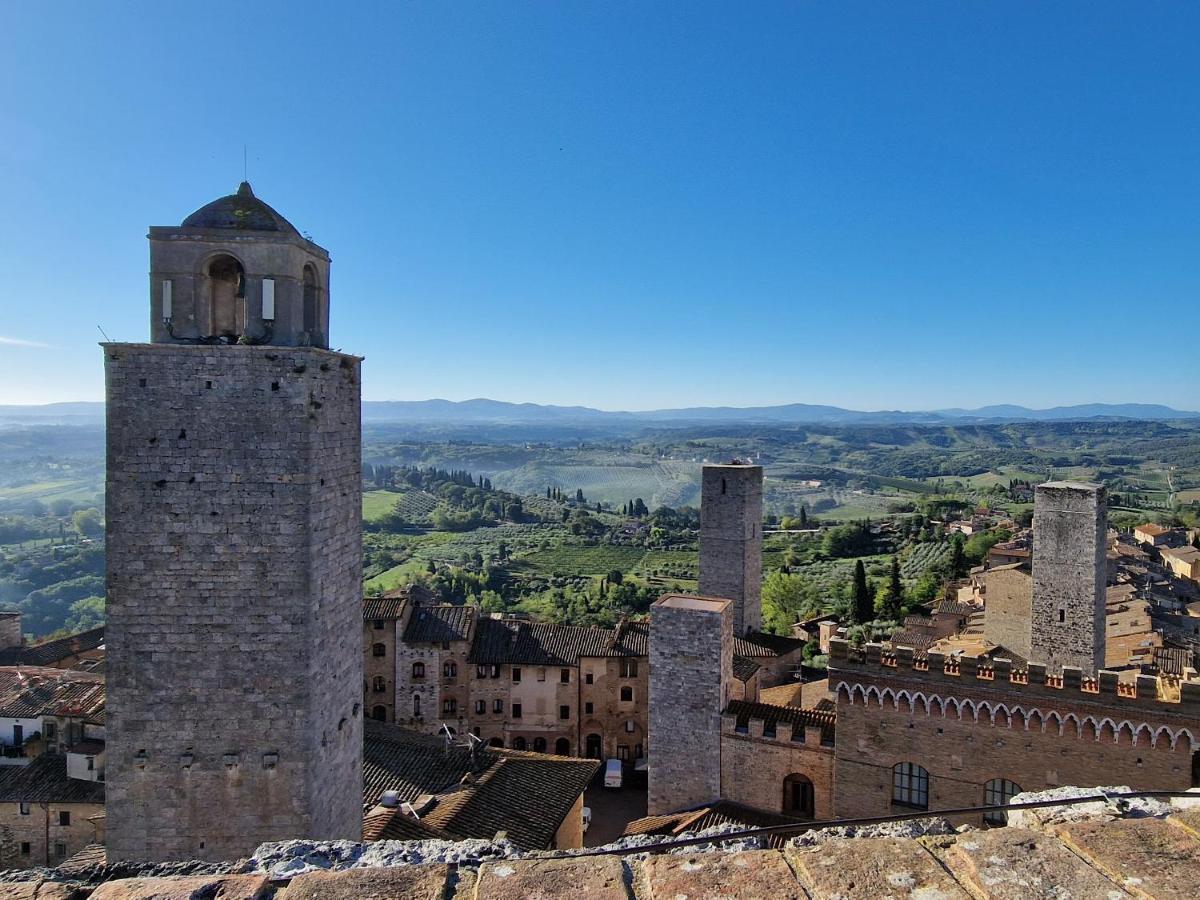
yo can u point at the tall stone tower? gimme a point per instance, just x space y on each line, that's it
691 670
234 549
1070 526
731 508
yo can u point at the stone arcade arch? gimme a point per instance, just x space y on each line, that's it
562 747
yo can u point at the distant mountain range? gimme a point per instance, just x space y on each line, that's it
451 412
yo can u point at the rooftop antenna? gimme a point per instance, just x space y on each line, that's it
106 337
245 166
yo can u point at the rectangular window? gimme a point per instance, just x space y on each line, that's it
542 673
637 751
450 707
622 751
516 676
497 706
64 817
588 707
268 306
378 624
910 786
1062 615
516 710
629 667
495 671
60 849
91 763
481 671
24 848
564 676
480 707
24 809
589 678
50 729
564 712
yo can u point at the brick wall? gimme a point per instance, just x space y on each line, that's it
1007 614
234 598
754 768
42 830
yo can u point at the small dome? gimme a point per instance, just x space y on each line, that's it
242 211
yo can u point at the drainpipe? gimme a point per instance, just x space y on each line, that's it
46 808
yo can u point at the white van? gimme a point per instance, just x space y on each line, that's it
612 773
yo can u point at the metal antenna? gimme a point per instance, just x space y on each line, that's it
245 166
106 337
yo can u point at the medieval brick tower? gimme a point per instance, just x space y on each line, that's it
234 555
1069 529
731 540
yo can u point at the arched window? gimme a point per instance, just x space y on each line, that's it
418 670
910 786
539 745
310 301
998 792
518 743
379 650
562 747
798 798
416 706
450 669
379 683
379 713
626 694
226 288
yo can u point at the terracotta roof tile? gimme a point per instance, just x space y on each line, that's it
31 691
745 710
45 781
434 624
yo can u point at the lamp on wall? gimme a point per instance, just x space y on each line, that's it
166 301
268 299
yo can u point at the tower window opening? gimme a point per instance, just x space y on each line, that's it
1062 615
226 288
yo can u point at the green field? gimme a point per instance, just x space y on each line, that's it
378 504
571 559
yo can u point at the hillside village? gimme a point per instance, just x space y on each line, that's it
241 667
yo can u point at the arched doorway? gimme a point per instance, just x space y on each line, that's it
562 747
310 302
539 745
518 743
799 798
226 287
595 746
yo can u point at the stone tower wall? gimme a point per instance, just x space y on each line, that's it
691 669
731 540
1007 614
10 630
1069 528
234 612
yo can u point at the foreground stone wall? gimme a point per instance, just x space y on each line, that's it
234 598
1083 851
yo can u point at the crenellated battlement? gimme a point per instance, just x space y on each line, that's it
1148 694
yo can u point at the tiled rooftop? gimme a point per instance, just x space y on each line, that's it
32 691
526 795
49 652
435 624
516 641
45 780
745 710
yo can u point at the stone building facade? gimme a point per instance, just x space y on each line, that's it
731 512
1070 526
384 619
233 552
691 656
928 731
1008 612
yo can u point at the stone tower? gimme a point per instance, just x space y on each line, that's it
1069 531
234 549
691 669
731 540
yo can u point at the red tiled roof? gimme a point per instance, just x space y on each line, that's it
31 691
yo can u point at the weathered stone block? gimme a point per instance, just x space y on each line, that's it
591 878
720 876
870 868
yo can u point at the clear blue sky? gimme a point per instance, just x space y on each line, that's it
634 205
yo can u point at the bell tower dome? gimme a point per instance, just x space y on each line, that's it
237 272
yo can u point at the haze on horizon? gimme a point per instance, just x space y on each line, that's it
632 207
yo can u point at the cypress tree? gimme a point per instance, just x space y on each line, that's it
863 610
